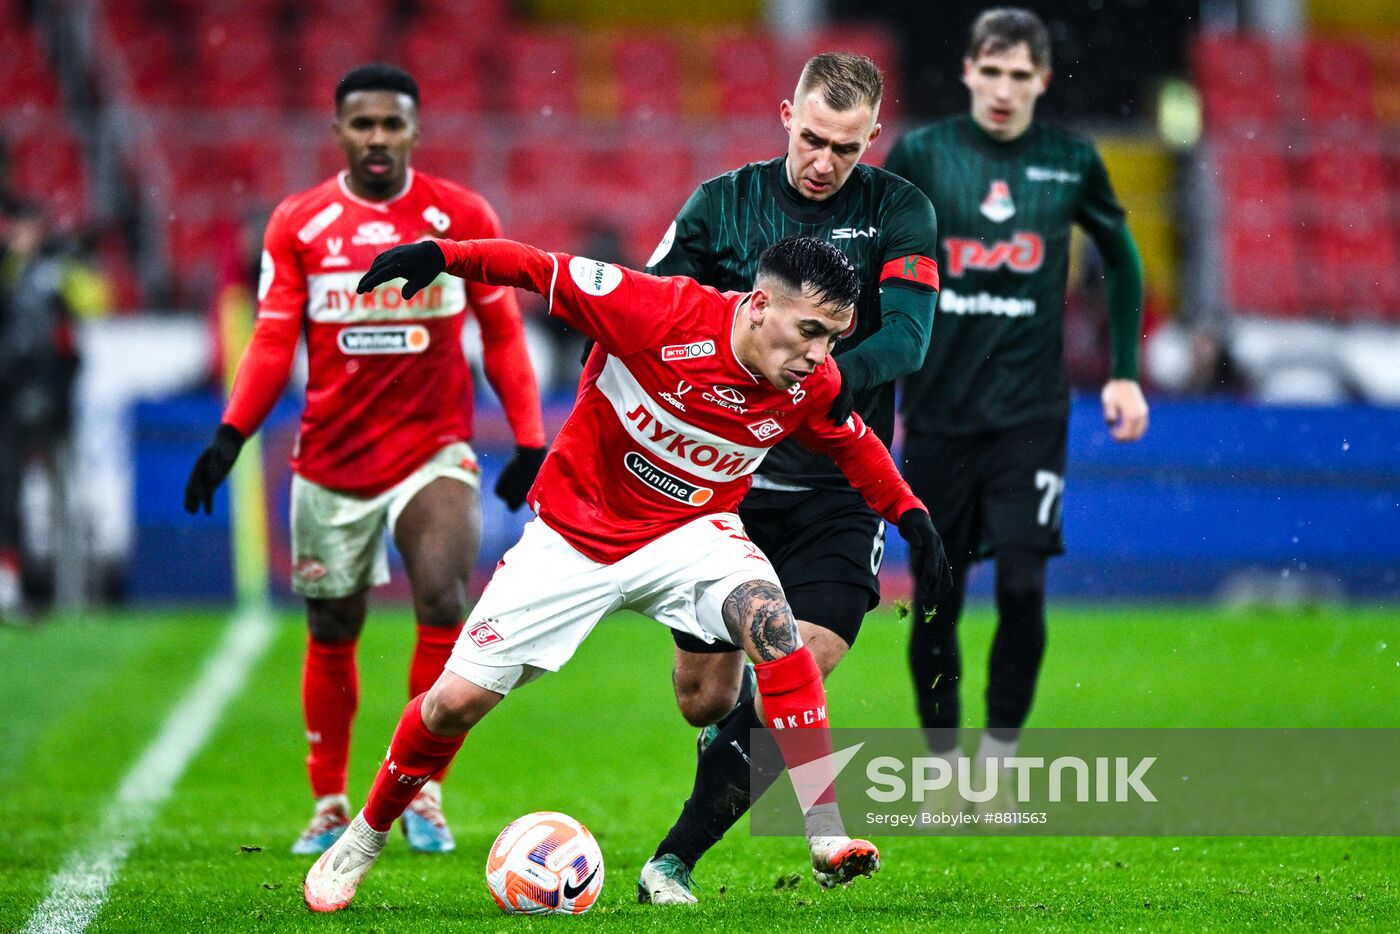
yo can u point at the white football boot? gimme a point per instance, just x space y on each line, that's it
331 883
840 860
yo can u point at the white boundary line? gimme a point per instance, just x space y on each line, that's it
78 891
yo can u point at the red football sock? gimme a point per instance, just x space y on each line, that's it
794 710
415 755
430 654
330 694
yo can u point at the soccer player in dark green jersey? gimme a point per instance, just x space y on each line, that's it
986 416
825 543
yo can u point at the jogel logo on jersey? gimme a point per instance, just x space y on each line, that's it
411 338
1024 252
375 233
997 206
653 476
334 257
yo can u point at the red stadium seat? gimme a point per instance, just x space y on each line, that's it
750 77
447 66
647 70
1350 179
236 68
25 78
1242 85
325 50
541 74
48 165
1355 272
1262 273
1337 84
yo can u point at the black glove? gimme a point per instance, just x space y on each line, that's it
515 480
211 468
419 263
935 579
845 401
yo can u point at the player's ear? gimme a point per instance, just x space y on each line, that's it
967 72
758 307
785 114
874 135
1044 79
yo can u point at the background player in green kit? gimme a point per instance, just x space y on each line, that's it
986 416
825 543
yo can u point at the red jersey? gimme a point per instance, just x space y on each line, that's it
388 382
672 425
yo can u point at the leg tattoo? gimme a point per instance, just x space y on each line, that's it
760 609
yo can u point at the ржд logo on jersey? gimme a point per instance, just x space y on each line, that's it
375 233
672 352
409 338
1024 252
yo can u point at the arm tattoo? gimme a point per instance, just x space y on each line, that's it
760 609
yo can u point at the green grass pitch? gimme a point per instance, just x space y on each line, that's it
602 741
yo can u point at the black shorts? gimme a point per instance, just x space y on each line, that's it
827 547
992 489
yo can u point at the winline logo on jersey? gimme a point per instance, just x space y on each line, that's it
1217 782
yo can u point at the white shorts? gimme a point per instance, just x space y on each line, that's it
338 544
545 597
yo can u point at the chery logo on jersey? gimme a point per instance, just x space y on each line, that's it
375 233
727 398
594 277
1024 253
673 352
412 338
659 480
768 428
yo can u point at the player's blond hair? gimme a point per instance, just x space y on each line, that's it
845 79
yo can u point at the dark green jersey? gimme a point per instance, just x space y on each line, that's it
883 224
996 358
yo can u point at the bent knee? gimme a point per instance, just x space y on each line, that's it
444 607
701 702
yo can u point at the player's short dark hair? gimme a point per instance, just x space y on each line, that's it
807 264
375 77
845 79
1006 27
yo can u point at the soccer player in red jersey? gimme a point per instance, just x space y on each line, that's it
388 417
636 507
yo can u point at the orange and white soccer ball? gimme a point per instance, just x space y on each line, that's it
545 863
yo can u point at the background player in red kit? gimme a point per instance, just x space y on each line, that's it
636 506
384 435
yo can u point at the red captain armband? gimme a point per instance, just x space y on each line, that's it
912 268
